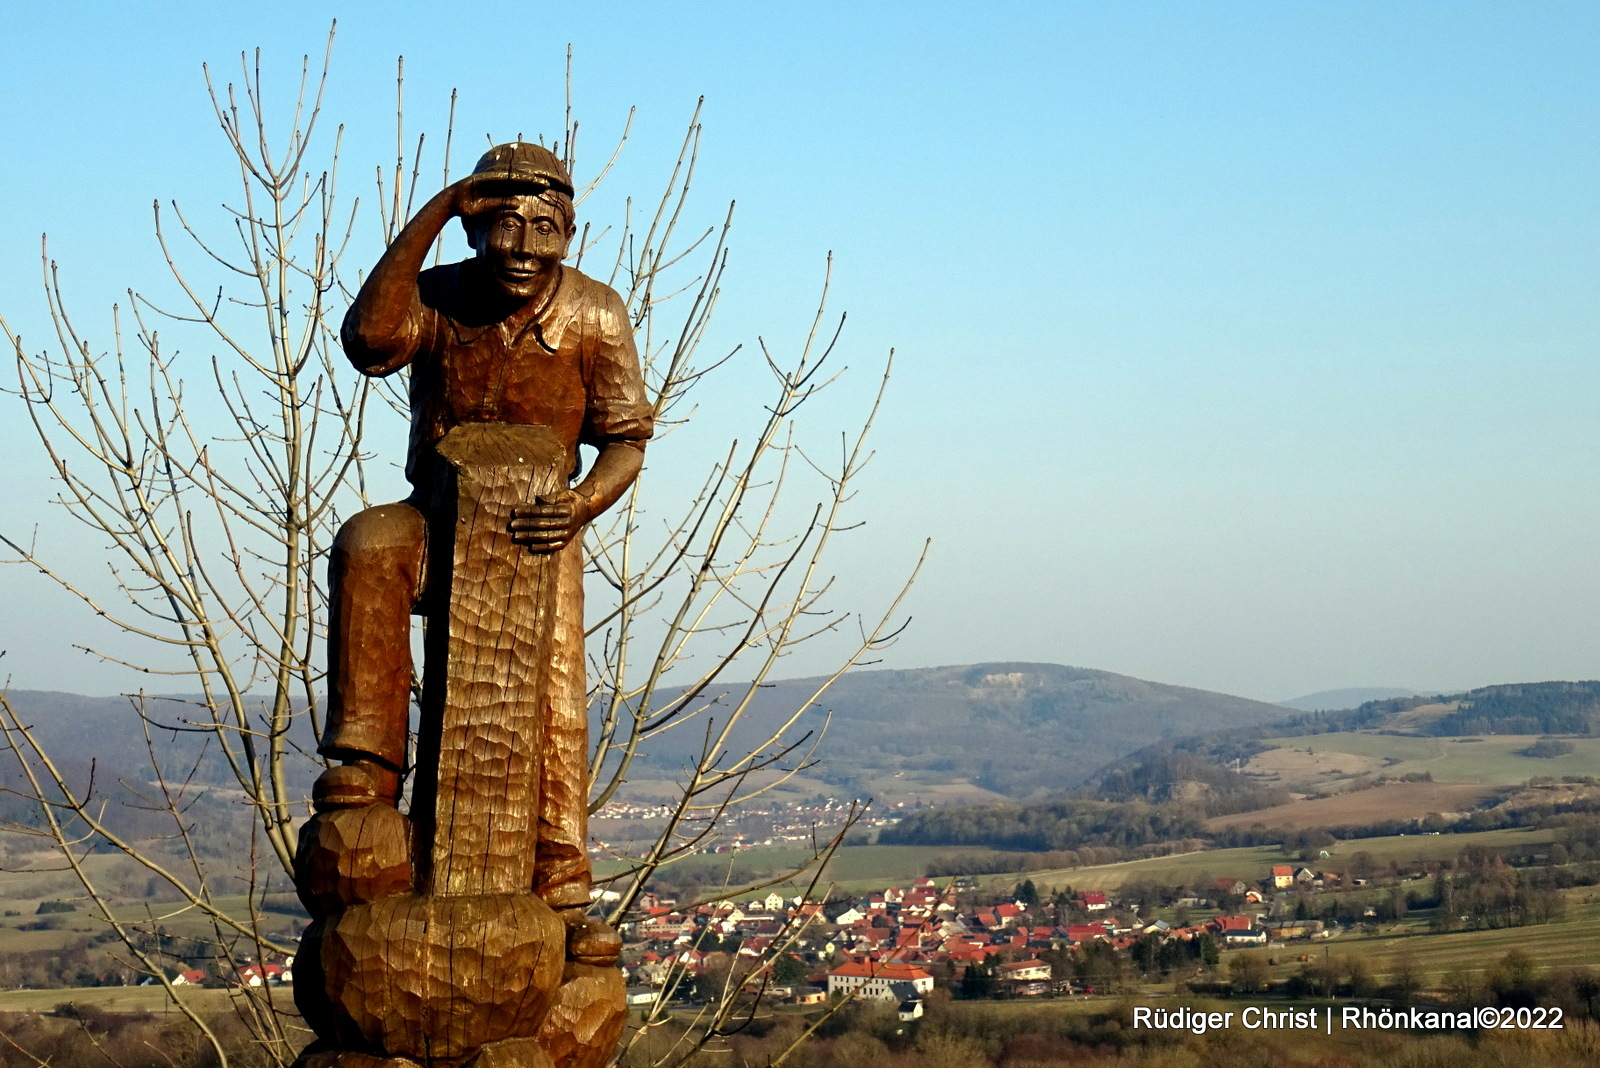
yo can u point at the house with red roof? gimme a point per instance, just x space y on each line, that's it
1087 932
872 979
260 974
1026 978
1025 970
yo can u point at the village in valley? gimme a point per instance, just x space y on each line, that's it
901 942
760 823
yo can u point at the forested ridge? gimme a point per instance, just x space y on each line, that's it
1046 825
1165 797
1510 708
1166 791
1530 708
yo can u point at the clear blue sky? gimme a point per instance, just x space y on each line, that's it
1249 346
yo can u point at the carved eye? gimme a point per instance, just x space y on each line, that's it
508 223
545 227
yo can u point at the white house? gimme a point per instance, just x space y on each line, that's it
873 980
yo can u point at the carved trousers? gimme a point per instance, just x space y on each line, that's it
376 580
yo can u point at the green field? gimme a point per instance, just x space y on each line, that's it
32 878
1493 760
886 788
1253 863
174 918
1403 847
1249 864
856 869
1573 941
129 999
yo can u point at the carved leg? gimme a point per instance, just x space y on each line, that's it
511 1053
317 1056
375 575
350 855
585 1023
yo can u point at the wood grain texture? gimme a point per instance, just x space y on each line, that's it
350 855
430 945
438 976
314 1057
512 1053
585 1023
561 868
375 574
481 733
450 953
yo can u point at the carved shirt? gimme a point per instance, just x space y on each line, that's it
568 364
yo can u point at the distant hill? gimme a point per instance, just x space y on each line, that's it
1392 761
1524 708
1487 739
101 748
1350 697
78 731
109 732
1015 729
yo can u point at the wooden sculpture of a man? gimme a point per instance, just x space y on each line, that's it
457 934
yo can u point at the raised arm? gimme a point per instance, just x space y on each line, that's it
382 327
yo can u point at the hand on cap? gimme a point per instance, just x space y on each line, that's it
468 199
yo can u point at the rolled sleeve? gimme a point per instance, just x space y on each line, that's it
619 408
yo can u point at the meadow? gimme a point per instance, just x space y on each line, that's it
1490 760
129 999
1252 863
1355 808
63 928
1572 941
852 869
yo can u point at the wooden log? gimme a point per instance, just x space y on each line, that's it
461 960
476 798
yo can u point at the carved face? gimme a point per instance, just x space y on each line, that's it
521 244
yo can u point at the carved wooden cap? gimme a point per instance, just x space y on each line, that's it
525 164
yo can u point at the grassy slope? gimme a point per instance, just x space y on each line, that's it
1491 761
127 999
69 926
1253 863
856 869
1396 800
1568 942
1573 941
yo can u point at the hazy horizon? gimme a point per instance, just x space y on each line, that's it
1239 346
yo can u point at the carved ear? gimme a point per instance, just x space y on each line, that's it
472 232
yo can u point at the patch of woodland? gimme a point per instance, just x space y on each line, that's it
1163 798
86 1036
